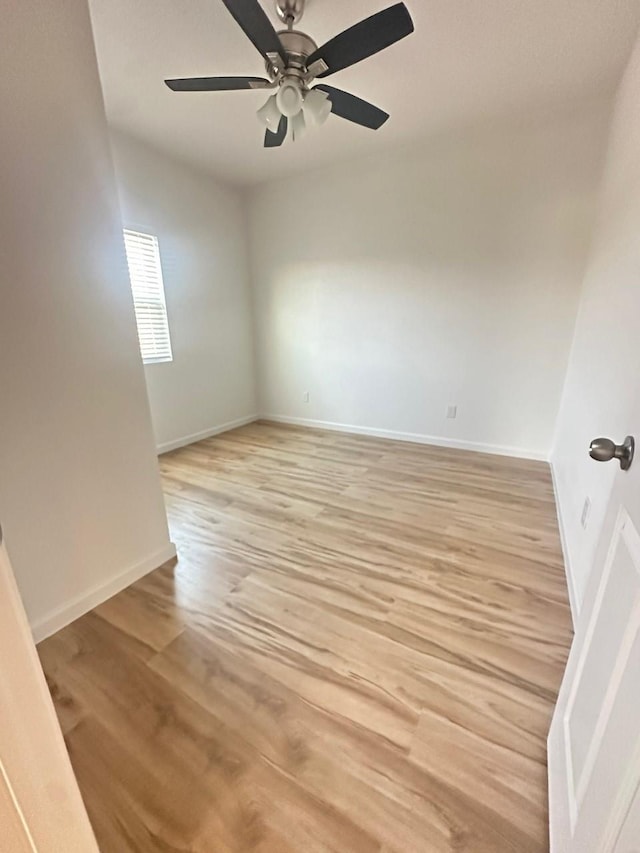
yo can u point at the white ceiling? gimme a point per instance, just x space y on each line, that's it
467 59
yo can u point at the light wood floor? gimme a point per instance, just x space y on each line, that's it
358 650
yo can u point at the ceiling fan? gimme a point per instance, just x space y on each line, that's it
294 60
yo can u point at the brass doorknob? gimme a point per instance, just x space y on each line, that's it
603 450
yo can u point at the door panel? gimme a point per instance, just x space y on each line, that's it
15 835
615 614
40 803
629 838
594 742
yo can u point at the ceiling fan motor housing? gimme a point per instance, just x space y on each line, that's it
297 47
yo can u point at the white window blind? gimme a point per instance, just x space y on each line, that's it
145 273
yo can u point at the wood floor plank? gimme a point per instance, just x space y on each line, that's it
181 769
392 798
358 650
153 620
504 781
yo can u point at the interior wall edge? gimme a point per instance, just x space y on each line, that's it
417 438
57 619
246 198
574 600
185 440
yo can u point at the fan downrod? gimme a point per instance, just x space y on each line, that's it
290 11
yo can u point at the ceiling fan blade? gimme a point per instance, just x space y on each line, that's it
354 109
217 84
253 20
273 139
364 39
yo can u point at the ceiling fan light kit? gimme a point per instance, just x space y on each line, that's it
293 61
298 126
269 114
303 108
317 106
289 98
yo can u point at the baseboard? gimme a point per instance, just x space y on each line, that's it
416 438
206 433
573 598
80 605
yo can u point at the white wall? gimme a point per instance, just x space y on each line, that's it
605 359
441 274
80 498
201 229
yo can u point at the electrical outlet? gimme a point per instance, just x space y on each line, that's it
305 397
586 509
452 411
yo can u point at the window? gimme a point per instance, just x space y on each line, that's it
145 273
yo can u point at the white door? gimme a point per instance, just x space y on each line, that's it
594 742
629 839
41 810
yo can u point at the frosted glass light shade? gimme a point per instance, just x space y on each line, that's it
269 114
317 106
298 126
289 99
